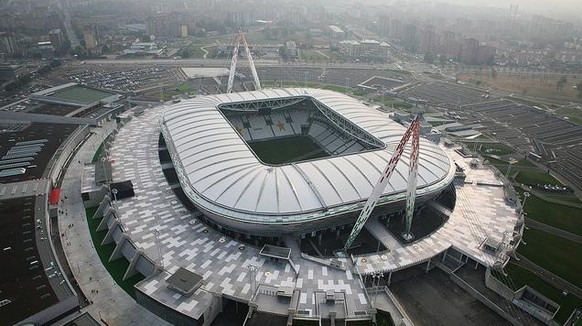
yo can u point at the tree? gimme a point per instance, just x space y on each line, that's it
561 83
493 73
579 89
428 58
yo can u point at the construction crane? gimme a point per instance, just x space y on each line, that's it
414 132
240 37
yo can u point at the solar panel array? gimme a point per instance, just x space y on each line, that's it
20 156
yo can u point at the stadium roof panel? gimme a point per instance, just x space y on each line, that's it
219 171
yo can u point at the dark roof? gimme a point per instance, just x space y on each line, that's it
184 280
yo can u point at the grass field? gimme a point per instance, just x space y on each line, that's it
296 83
97 154
117 267
556 254
171 91
521 277
560 216
494 149
538 86
534 178
319 55
389 102
287 150
80 94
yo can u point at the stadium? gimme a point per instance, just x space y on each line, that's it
291 160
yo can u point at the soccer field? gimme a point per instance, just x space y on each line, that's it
287 150
81 94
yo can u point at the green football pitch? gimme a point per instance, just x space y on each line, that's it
81 94
287 150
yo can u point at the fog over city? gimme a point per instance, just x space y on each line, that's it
291 162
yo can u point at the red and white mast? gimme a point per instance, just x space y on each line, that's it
414 132
240 37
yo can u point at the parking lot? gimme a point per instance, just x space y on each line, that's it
121 78
24 283
556 140
36 161
446 95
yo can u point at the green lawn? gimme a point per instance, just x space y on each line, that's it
525 163
560 216
81 94
503 165
388 102
171 91
183 88
569 197
117 267
97 154
361 92
534 178
494 149
556 254
383 319
520 277
335 88
286 150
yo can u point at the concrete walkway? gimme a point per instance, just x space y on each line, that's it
109 303
381 234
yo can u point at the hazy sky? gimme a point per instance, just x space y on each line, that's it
570 7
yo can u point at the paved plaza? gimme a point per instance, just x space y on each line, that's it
481 213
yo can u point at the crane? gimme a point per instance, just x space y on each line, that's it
414 132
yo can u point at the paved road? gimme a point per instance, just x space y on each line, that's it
548 276
226 63
552 230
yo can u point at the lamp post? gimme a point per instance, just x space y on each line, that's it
252 272
157 237
114 191
376 278
525 197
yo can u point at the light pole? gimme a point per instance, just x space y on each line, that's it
252 272
157 237
525 197
114 191
376 277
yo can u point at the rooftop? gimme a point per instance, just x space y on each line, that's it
219 171
184 281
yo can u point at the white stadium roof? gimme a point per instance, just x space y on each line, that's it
218 170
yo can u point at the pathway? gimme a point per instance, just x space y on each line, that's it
110 303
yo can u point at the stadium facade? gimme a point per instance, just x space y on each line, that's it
211 143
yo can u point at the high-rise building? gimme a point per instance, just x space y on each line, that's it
384 24
91 37
469 51
57 38
428 40
7 43
485 54
410 37
395 28
170 25
450 45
